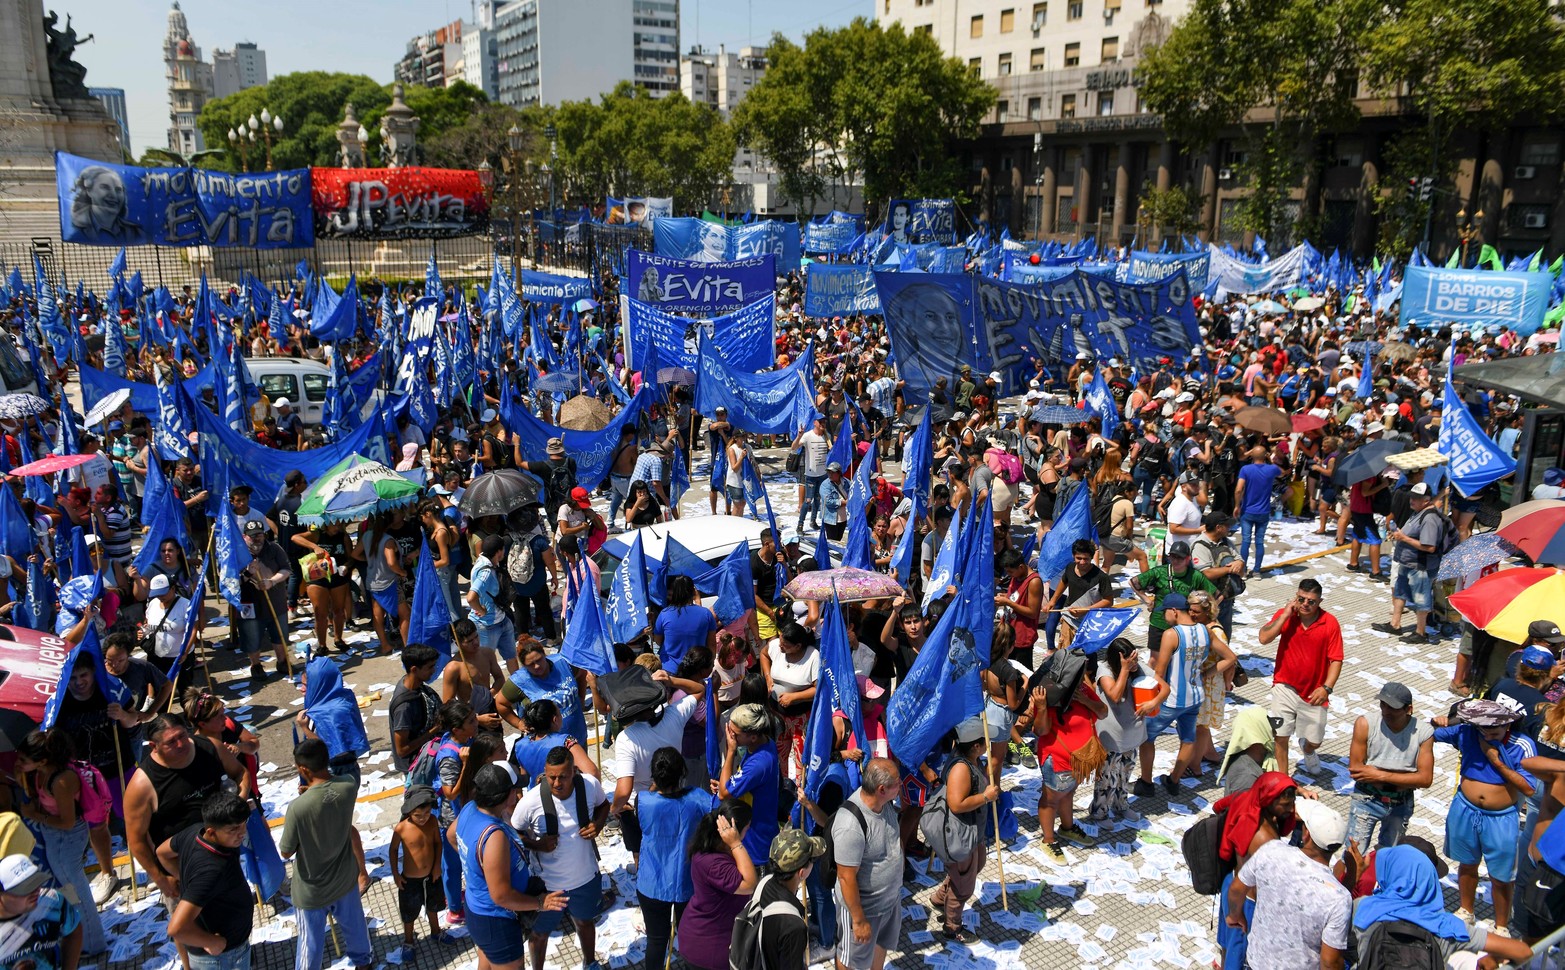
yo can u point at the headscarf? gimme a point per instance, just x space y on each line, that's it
409 457
1251 726
334 709
1408 888
1244 813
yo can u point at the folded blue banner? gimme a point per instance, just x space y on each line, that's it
97 385
593 450
708 242
921 221
1151 267
1434 297
697 287
125 205
938 322
554 288
744 338
1283 273
774 402
264 468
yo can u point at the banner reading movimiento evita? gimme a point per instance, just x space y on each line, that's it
1433 297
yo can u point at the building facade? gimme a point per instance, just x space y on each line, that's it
114 103
549 52
424 62
238 69
655 45
1069 149
480 58
190 84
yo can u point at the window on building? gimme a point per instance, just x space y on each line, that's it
1072 54
1040 16
1110 7
1110 49
1067 106
1005 65
1073 10
976 65
1034 109
1002 111
976 27
1038 60
1007 21
925 29
1540 150
1105 103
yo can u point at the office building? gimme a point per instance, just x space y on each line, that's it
655 45
424 63
235 70
114 103
549 52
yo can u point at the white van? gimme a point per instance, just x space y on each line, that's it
302 382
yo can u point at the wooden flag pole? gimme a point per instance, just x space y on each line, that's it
119 765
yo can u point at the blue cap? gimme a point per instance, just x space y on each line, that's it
1175 601
1536 658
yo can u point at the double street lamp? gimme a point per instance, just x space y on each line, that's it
243 137
1468 230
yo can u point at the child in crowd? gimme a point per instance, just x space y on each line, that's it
418 870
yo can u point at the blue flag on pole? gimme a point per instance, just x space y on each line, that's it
1366 388
1074 522
627 606
587 645
429 620
975 577
859 548
1475 460
942 572
1100 400
1099 627
258 857
714 743
192 628
232 554
915 487
731 582
118 265
940 691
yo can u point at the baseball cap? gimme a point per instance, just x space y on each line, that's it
1536 658
489 415
580 497
1328 829
281 402
294 477
1424 846
240 489
1395 694
969 730
1481 712
1175 601
91 541
1420 489
556 446
1184 398
492 781
1545 630
1374 427
1179 550
835 466
1214 519
791 851
870 690
439 490
20 877
751 717
416 798
255 527
157 585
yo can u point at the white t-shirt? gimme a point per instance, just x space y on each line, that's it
637 743
1298 906
788 677
816 448
170 634
1184 513
572 863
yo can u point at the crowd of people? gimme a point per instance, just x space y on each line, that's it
504 807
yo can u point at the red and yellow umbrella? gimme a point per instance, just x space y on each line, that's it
1504 603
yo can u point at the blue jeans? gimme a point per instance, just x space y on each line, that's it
619 491
1144 480
233 958
65 853
450 874
1225 616
811 505
1366 813
1253 524
351 927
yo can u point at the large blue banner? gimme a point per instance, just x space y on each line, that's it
264 468
938 322
697 287
1434 297
708 242
775 402
97 385
833 235
743 338
592 450
921 221
836 289
1151 267
124 205
554 288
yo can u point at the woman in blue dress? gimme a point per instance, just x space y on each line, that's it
541 677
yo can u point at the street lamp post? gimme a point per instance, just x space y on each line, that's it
241 144
552 133
266 124
1468 229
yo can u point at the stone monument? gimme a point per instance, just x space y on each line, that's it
44 107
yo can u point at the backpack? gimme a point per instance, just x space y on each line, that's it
1060 676
94 799
1155 458
560 481
631 692
551 811
1006 466
826 865
1399 945
425 769
1444 544
520 561
1103 508
746 949
503 455
949 836
1200 848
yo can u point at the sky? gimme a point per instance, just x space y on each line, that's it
355 36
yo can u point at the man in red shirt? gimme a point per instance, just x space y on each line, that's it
1309 660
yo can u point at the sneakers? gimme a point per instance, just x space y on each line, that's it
1023 754
103 886
1055 853
820 954
1143 789
257 672
447 938
1171 786
1074 835
1395 631
453 918
1311 762
1421 638
1465 915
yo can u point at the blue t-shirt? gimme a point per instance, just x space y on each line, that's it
1477 767
485 582
666 827
1258 481
558 685
683 627
471 825
759 779
529 754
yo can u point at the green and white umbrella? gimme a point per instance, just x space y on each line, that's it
355 488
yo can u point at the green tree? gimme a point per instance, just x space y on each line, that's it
864 101
630 143
310 103
1172 210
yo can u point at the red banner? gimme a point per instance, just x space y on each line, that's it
398 202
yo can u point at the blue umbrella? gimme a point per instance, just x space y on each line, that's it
1479 552
557 382
1366 462
1364 349
1268 306
584 304
1059 414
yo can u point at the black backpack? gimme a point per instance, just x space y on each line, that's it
1398 945
746 949
551 811
631 692
1103 508
504 457
1200 846
1060 676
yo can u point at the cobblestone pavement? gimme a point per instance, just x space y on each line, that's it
1125 902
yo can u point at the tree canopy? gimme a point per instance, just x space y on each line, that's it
863 101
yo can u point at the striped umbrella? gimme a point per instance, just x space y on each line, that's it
1540 534
355 488
1504 603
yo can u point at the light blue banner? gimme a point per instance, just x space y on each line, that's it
921 221
554 288
833 235
775 402
1434 297
1475 460
708 242
683 285
1151 267
593 450
837 289
744 338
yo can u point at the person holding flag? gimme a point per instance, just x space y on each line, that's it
65 798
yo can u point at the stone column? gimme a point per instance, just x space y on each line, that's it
1048 192
1364 211
1018 202
1083 198
1121 190
1209 194
1165 177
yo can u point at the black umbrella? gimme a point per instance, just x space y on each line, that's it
1366 461
501 492
14 729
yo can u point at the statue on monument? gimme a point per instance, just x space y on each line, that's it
69 78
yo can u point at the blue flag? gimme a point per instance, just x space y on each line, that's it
1099 627
164 515
942 572
1475 460
731 582
714 742
842 447
915 487
258 857
859 548
117 267
1074 522
16 535
627 606
429 619
192 614
755 494
36 610
679 478
1366 387
975 577
1100 400
940 691
587 645
231 552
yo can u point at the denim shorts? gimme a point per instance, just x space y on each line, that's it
499 938
1414 586
500 637
581 903
1182 718
233 958
1059 782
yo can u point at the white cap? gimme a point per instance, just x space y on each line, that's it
1328 829
157 585
1420 489
281 402
994 375
1374 427
1166 393
488 416
1388 409
1083 355
19 876
1184 398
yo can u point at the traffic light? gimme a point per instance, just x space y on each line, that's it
1426 189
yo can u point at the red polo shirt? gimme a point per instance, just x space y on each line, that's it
1304 652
